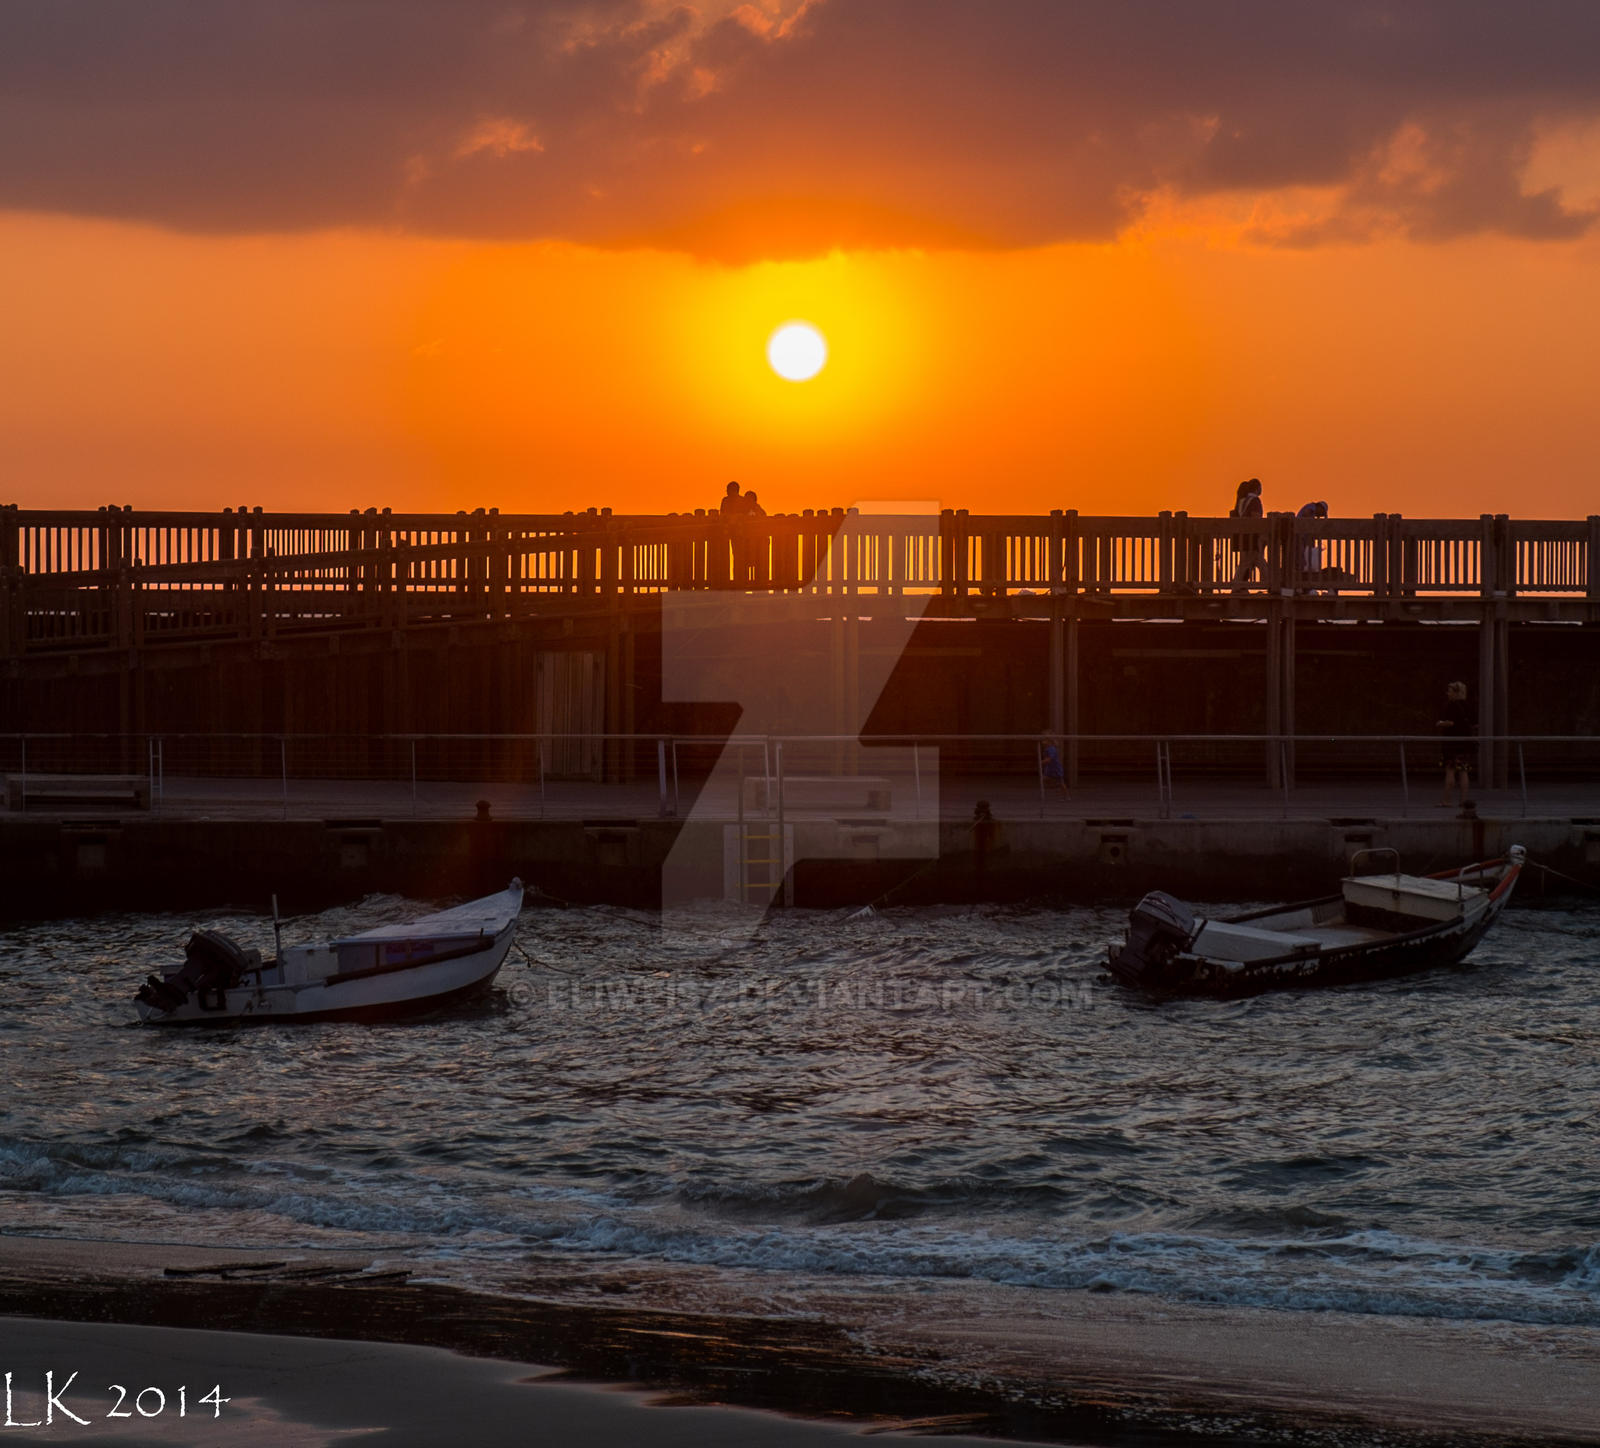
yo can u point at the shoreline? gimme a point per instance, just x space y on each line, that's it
1081 1368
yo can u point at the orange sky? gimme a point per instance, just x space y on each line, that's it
1414 329
346 370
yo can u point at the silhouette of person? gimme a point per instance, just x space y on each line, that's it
1251 547
985 836
751 546
1050 767
1455 731
732 502
1310 549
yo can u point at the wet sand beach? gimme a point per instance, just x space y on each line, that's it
1092 1369
298 1393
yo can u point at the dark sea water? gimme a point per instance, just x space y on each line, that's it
921 1095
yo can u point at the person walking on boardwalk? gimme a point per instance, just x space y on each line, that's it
1251 547
1050 770
1455 733
1310 549
753 541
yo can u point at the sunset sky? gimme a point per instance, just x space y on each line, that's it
1113 256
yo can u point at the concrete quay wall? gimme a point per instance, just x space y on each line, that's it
56 867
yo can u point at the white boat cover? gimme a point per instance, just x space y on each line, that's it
489 916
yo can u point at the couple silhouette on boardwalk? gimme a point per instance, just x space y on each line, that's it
741 505
1251 548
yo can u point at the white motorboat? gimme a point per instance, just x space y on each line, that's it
394 970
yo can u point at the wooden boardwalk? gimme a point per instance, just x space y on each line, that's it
120 578
117 591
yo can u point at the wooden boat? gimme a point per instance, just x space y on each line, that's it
394 970
1377 926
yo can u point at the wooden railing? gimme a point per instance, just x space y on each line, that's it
120 577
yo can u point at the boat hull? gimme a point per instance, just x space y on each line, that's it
384 990
1404 953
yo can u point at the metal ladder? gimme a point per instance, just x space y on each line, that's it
760 861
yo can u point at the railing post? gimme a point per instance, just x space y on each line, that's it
991 562
1278 565
1410 573
354 543
586 552
1380 555
627 561
719 546
11 537
610 546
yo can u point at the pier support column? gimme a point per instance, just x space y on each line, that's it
1274 692
1502 696
611 755
1488 676
852 693
1071 692
1055 716
836 688
1286 714
628 655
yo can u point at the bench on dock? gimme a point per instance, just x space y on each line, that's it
820 792
44 791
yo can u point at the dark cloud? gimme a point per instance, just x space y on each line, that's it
839 122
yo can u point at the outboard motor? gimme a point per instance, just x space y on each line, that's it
1159 927
212 961
212 965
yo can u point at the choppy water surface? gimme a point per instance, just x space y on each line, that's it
925 1094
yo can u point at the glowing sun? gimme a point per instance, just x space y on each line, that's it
797 351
